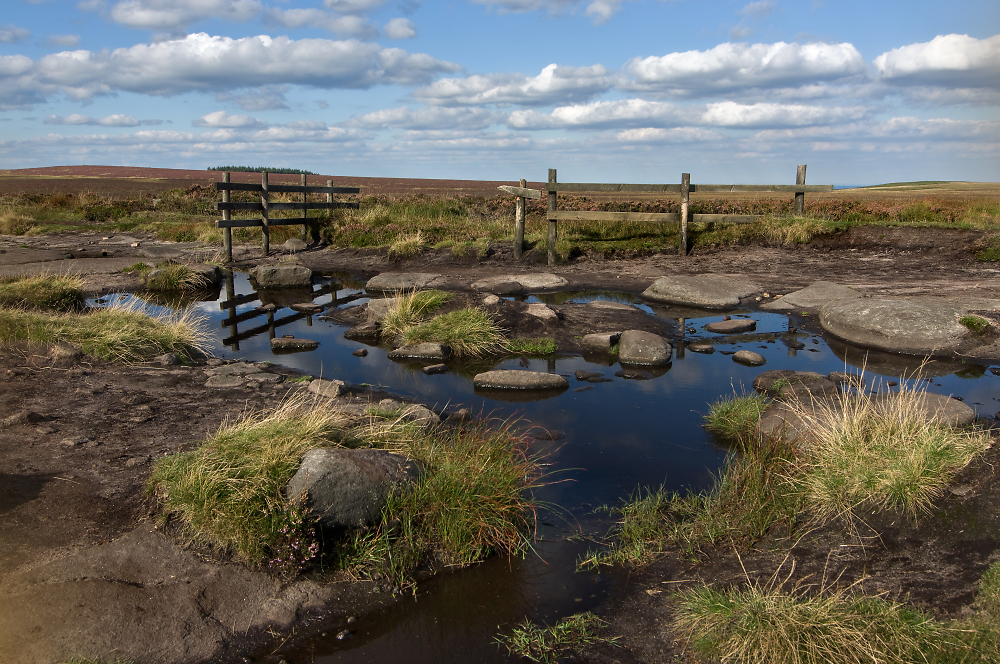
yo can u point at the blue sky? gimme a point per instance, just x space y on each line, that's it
603 90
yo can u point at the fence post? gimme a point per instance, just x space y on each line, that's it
685 200
263 202
552 222
227 233
519 224
305 213
800 196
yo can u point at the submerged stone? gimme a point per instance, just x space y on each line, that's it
732 326
749 357
643 348
508 379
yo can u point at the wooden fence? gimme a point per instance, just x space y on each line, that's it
266 206
685 189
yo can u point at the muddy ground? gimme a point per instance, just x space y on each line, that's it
85 567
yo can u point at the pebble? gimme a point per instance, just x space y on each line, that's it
749 357
361 352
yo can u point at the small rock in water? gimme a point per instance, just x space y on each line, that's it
591 377
435 369
794 345
727 318
343 635
291 343
351 620
634 374
892 383
957 398
361 352
749 357
590 387
707 349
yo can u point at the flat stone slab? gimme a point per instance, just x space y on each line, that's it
423 351
307 307
611 306
915 325
528 282
379 307
643 348
281 276
234 369
599 342
403 281
732 326
510 379
705 291
292 344
542 311
811 297
224 381
329 389
749 358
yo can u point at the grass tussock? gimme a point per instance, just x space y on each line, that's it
57 292
540 346
174 277
541 643
977 324
120 333
411 309
766 624
408 246
735 418
880 451
469 333
228 492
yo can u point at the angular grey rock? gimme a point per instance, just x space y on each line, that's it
749 357
643 348
732 326
369 330
490 300
917 325
402 281
378 307
294 244
507 379
786 384
210 273
528 282
420 415
281 276
167 360
234 369
224 381
707 291
811 297
349 488
424 351
329 389
292 344
599 342
542 311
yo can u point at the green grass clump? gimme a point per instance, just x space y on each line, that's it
541 346
764 624
977 324
880 451
228 492
411 309
174 277
735 418
408 246
120 333
58 292
547 644
469 333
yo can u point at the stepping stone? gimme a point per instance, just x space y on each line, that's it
507 379
424 351
749 357
235 369
307 307
643 348
528 282
600 342
292 344
706 291
732 326
811 297
542 311
281 276
706 349
403 281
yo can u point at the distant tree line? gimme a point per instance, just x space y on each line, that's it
260 169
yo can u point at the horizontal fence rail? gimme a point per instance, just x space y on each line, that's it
685 189
227 223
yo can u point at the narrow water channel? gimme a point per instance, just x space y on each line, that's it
618 436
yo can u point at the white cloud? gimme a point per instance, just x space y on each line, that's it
176 14
952 61
615 114
400 28
11 34
62 40
902 129
432 118
350 25
203 62
352 6
221 119
603 10
733 114
554 84
760 9
730 67
648 135
109 121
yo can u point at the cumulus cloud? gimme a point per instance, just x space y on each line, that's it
731 67
203 62
951 61
400 28
66 41
602 114
11 34
221 119
170 15
109 121
350 25
760 9
433 118
652 135
554 84
733 114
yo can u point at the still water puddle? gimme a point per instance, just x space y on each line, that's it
619 436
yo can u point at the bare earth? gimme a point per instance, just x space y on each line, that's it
85 569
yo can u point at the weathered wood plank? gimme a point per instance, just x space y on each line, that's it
256 223
523 192
613 188
685 201
587 215
723 218
250 207
286 188
759 188
239 299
